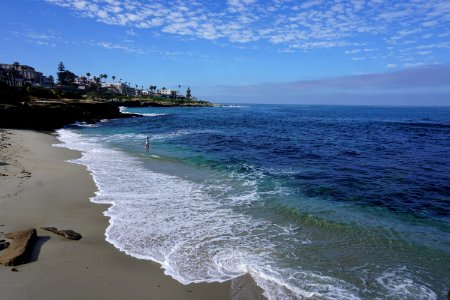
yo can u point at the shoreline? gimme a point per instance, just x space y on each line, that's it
40 188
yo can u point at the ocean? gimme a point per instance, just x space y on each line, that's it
322 202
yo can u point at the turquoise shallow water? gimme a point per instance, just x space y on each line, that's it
313 201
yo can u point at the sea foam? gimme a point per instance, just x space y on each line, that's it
173 221
123 110
195 235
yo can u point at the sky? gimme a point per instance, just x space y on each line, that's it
363 52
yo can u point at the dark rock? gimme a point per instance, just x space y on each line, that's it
14 270
66 233
51 114
70 234
3 245
20 247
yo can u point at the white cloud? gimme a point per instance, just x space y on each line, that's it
125 48
48 38
131 32
80 4
133 49
288 24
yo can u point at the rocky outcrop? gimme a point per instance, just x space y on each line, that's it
20 247
66 233
162 103
47 114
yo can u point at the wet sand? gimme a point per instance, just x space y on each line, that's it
39 188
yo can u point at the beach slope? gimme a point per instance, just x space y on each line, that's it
39 188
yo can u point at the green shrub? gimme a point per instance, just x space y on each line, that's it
41 92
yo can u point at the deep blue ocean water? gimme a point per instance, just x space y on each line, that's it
328 202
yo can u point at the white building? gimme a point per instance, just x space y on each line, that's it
121 88
166 92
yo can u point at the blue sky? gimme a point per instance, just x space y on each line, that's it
274 51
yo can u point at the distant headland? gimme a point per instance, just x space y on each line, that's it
29 99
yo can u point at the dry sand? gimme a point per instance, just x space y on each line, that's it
38 188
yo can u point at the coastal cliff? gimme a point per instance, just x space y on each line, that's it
47 109
48 114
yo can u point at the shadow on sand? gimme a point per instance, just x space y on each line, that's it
37 247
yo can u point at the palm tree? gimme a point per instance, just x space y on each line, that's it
88 74
113 78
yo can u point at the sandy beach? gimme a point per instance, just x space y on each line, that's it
39 188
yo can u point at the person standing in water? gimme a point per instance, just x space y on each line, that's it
147 143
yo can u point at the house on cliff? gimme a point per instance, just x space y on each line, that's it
17 75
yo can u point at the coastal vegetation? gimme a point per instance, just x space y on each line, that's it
14 86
